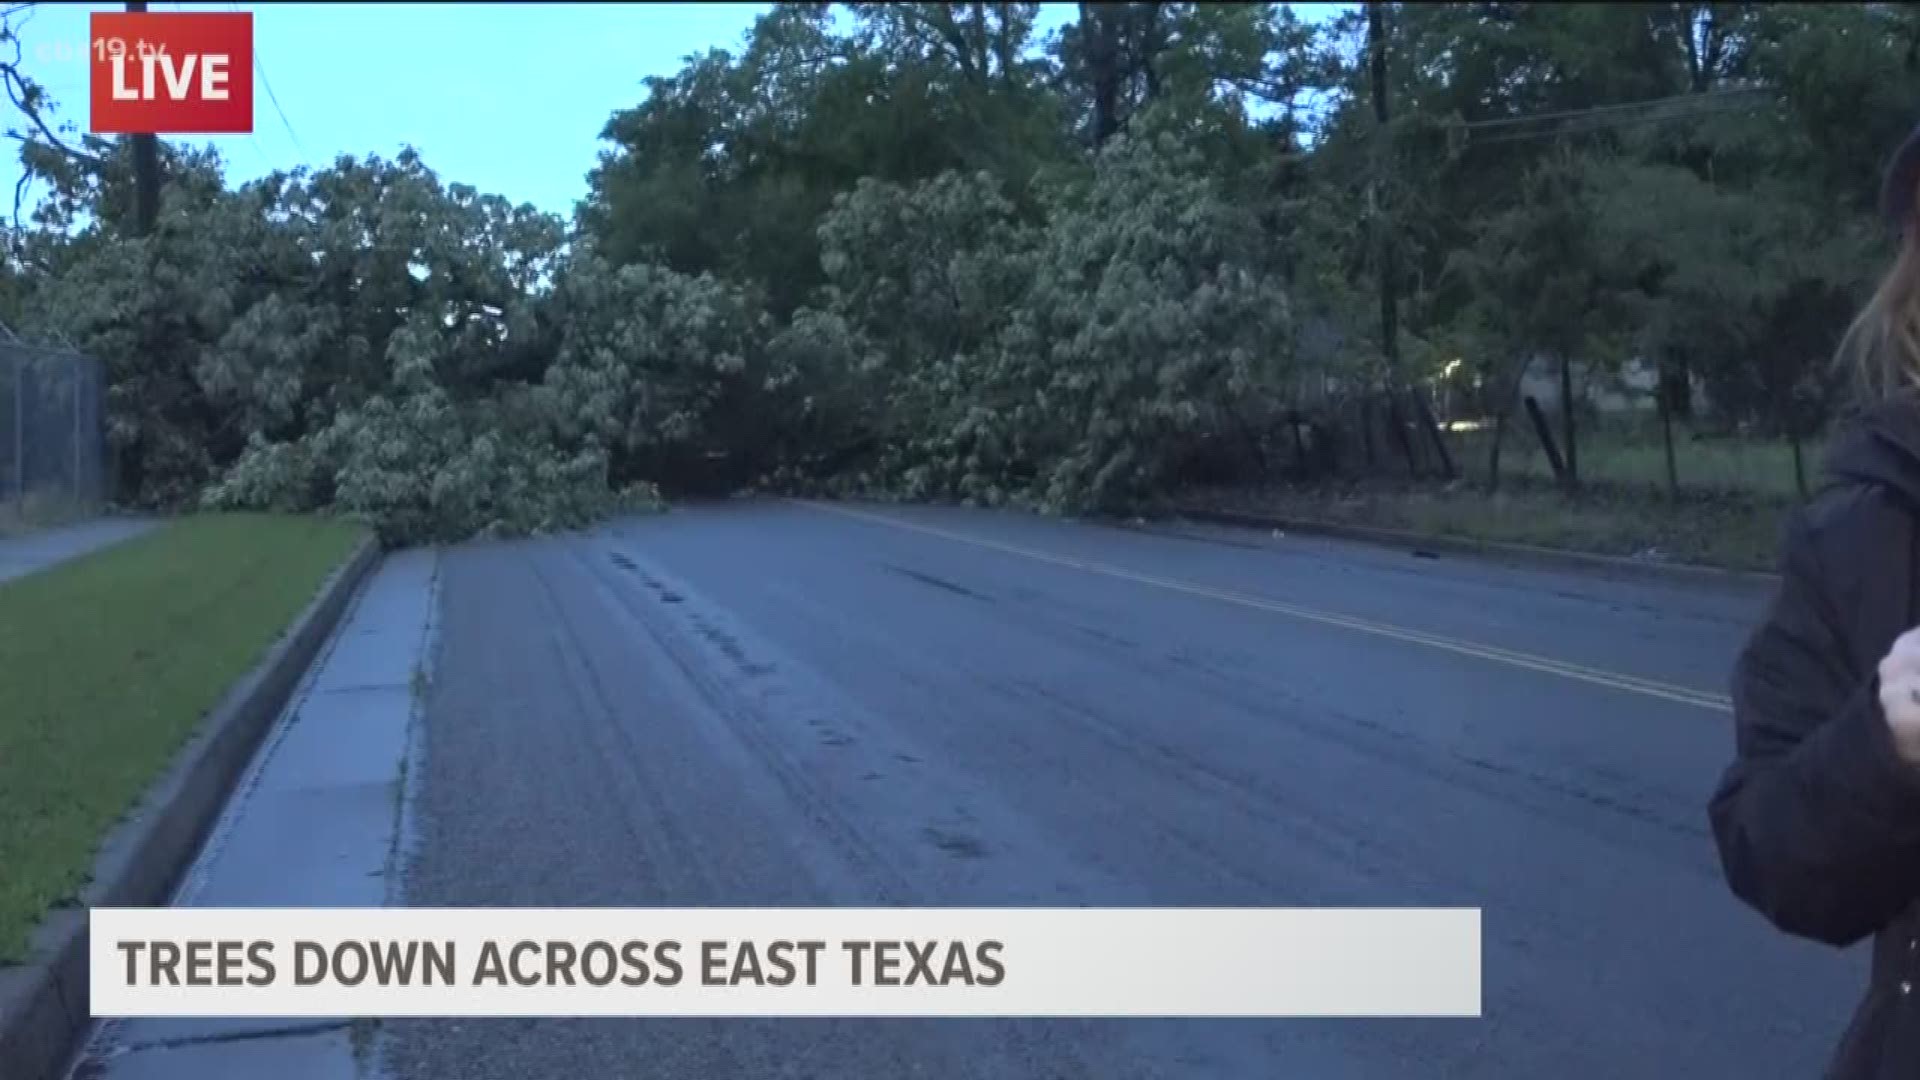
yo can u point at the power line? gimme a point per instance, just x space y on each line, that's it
254 141
1591 127
260 69
1568 114
1606 112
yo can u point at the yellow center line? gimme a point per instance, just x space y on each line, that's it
1545 664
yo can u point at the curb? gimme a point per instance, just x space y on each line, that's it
1546 557
44 1006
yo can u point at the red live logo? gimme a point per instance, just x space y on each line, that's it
172 72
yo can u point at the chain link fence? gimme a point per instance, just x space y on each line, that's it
53 436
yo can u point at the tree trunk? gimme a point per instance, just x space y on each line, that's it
1383 232
1503 408
1103 75
1003 43
1567 431
1152 41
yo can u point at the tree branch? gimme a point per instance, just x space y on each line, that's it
948 35
19 196
17 90
845 54
1265 89
1003 44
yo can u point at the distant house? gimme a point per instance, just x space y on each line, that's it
1628 390
1323 354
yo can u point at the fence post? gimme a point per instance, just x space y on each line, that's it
1432 428
1397 421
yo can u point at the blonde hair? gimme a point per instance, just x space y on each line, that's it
1882 345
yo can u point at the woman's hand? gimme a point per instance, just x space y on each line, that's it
1900 695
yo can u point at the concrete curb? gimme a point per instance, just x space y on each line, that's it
44 1007
1549 558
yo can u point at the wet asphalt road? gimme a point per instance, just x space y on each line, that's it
774 703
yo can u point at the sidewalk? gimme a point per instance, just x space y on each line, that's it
313 823
35 551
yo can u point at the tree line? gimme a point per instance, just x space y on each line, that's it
924 251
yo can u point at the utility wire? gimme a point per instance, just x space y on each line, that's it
1605 111
260 68
1569 114
267 84
254 141
1609 125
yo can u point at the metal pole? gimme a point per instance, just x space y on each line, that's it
146 169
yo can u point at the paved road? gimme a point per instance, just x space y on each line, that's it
32 552
775 703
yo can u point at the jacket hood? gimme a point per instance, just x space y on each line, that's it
1881 446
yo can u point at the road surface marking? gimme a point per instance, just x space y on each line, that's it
1612 679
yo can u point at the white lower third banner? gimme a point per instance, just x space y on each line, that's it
757 962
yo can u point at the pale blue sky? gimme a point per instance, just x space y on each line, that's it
507 97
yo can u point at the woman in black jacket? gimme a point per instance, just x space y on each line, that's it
1818 819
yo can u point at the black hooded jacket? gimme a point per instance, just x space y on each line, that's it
1817 820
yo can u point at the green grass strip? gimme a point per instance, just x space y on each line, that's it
109 663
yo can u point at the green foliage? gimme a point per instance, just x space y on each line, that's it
914 250
669 372
421 469
928 278
1065 366
727 166
1152 319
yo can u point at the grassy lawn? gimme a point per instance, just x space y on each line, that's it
1735 493
109 663
1637 457
1726 531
